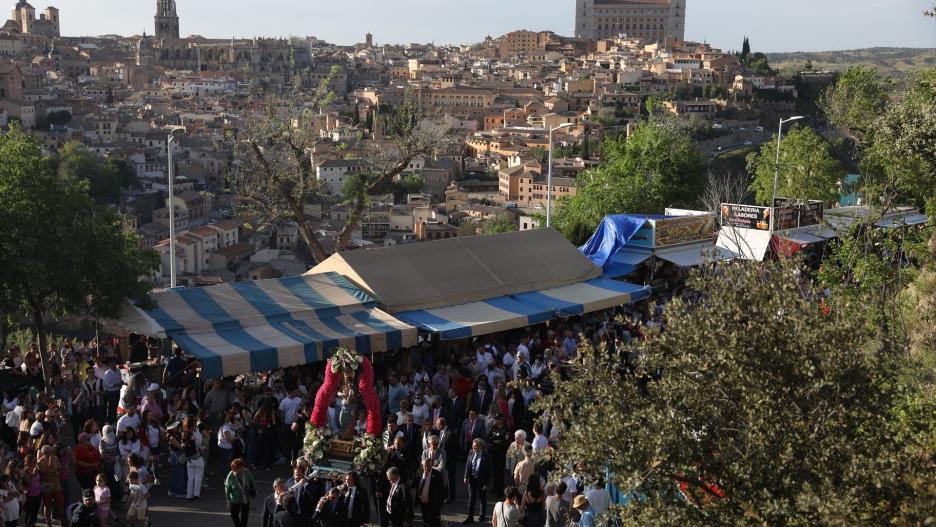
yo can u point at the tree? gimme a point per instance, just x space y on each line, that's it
808 66
61 248
807 168
498 224
751 408
745 50
413 137
59 117
272 172
855 101
75 161
657 167
904 146
759 64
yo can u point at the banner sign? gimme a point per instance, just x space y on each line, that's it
672 231
746 216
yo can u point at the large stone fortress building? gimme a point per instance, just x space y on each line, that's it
264 56
650 19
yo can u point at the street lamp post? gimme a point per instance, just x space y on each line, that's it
549 173
175 134
776 181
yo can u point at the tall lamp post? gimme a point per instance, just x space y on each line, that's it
776 180
549 173
174 135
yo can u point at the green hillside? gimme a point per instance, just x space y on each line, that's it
896 62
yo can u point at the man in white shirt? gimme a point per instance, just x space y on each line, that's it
289 406
540 442
131 419
599 499
483 358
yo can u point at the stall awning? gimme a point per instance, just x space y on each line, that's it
902 221
255 326
624 262
696 254
523 309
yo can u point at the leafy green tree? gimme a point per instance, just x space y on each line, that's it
498 224
752 408
657 167
807 168
759 64
61 248
59 117
855 101
75 161
904 147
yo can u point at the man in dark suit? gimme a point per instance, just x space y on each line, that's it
399 505
430 492
448 440
273 503
289 517
471 429
453 409
355 505
307 494
477 477
412 433
328 510
483 397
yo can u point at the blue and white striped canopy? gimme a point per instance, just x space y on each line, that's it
256 326
524 309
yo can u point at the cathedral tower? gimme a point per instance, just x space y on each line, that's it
167 20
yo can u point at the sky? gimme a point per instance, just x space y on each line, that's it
778 25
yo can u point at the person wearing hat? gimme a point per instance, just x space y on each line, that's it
580 503
85 514
87 461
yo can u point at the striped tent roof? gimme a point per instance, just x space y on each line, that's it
261 325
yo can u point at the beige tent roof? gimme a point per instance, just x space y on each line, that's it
461 270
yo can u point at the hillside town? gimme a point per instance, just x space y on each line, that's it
120 97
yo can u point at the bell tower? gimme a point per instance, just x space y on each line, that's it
167 20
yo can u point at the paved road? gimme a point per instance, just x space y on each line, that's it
210 510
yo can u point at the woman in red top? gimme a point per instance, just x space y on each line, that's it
87 461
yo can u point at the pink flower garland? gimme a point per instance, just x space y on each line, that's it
365 387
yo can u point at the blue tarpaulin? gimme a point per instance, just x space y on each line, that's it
613 233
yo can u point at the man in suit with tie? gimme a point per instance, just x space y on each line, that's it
355 507
430 493
477 477
448 441
412 433
399 506
453 409
471 429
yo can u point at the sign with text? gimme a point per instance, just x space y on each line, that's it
672 231
745 216
789 214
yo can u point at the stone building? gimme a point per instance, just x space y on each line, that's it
262 56
647 19
25 21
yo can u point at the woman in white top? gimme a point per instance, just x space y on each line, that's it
128 444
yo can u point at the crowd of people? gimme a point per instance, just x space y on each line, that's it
459 421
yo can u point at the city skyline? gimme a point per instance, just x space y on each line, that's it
829 25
